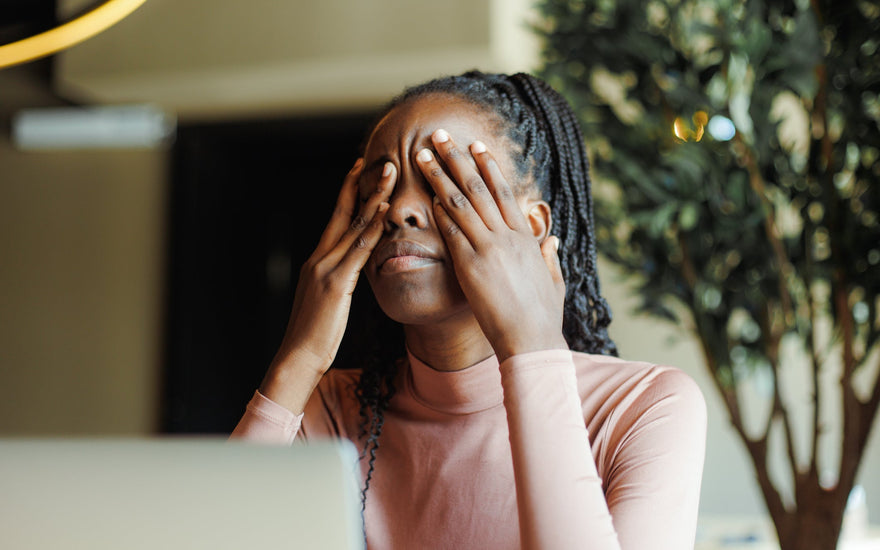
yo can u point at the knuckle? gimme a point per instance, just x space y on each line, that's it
458 200
505 193
359 222
475 185
451 229
360 243
310 268
436 172
453 153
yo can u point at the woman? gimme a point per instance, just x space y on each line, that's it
504 420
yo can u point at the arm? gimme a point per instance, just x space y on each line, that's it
324 416
320 311
267 422
323 292
659 447
558 491
652 458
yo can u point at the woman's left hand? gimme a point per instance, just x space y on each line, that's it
513 283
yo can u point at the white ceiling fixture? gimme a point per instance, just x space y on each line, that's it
98 127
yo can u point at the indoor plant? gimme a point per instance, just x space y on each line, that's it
736 158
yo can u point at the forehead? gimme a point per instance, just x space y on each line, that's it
413 122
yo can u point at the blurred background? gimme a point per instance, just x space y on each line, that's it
144 288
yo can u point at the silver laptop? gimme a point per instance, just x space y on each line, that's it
169 493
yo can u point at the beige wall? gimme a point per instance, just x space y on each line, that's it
81 245
204 59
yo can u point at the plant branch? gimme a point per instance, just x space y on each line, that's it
779 409
757 448
815 361
869 409
771 229
853 419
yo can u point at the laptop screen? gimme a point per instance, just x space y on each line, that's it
177 493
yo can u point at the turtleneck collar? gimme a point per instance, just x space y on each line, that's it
472 389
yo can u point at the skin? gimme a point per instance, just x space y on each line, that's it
429 221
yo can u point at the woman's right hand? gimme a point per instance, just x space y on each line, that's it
323 294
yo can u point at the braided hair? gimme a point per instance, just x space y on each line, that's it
551 154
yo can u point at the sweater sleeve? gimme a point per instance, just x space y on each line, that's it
324 415
266 421
652 486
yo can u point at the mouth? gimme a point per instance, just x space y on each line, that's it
401 255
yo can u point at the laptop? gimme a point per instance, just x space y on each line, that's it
169 493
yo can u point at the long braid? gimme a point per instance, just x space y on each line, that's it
375 387
587 313
539 121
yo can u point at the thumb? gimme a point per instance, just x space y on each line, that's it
550 251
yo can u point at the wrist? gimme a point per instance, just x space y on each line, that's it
299 360
291 379
504 352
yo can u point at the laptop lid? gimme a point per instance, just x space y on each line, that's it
177 493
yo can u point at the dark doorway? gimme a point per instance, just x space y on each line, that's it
249 201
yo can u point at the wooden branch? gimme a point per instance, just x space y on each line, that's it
796 474
820 110
729 395
757 448
873 332
771 230
851 449
817 389
844 316
815 362
779 409
775 506
869 410
688 271
773 339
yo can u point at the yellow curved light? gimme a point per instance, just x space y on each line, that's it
682 131
64 36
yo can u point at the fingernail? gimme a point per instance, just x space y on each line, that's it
387 171
357 164
425 155
383 206
440 136
478 147
555 243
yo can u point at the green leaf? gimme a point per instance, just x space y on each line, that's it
688 216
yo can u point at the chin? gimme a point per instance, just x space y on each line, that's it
417 304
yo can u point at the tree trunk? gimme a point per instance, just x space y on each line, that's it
816 525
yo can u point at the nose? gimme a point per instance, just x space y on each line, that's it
409 205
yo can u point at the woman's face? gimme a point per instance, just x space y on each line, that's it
410 270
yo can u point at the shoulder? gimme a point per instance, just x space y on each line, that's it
338 386
606 370
338 377
333 407
632 389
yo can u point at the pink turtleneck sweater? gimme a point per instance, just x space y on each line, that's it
552 450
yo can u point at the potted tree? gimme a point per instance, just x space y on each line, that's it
736 153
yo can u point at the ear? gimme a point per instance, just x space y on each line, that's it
539 216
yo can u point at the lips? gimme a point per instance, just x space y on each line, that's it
402 254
